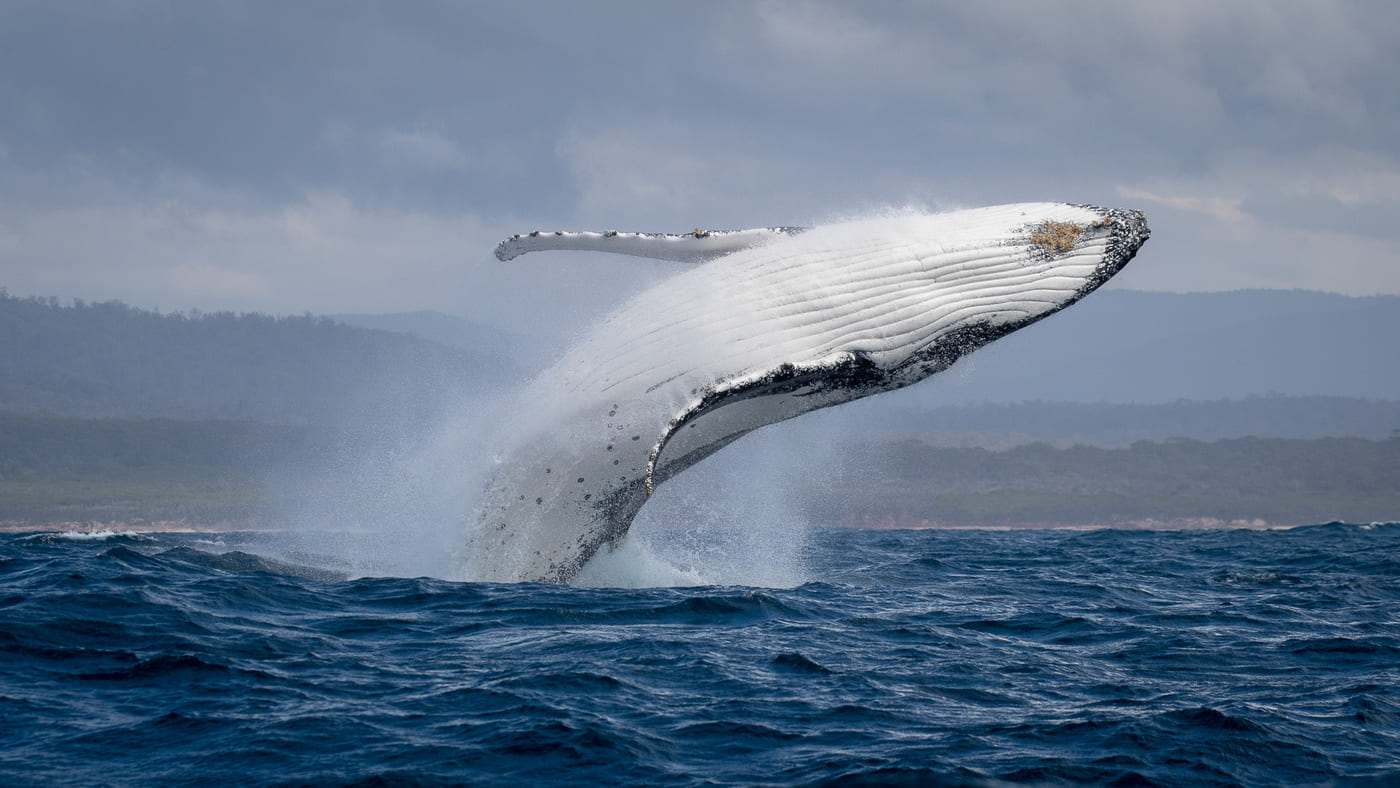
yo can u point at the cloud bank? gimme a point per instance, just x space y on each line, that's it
332 158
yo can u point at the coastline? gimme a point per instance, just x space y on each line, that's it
135 526
870 522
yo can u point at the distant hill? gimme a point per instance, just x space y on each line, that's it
1126 346
56 470
115 361
524 354
1121 366
444 329
1247 480
113 413
1001 425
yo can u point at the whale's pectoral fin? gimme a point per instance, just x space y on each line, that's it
697 246
728 409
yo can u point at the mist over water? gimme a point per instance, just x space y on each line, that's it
406 503
399 499
389 501
732 520
408 510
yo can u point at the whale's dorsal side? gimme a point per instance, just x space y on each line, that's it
697 246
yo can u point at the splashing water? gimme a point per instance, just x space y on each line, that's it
816 352
715 525
404 508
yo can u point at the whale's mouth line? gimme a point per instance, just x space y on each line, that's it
944 351
1128 231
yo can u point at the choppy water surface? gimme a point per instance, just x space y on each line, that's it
1115 658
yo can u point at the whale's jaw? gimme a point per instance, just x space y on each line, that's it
1126 231
797 321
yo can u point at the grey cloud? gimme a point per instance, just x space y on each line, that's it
245 92
461 122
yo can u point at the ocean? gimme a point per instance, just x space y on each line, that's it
977 658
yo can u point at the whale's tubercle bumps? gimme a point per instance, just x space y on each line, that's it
696 246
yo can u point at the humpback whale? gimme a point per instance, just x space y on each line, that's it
768 324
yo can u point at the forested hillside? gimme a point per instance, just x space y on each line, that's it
111 360
63 470
1274 481
1259 363
1001 425
110 413
1125 346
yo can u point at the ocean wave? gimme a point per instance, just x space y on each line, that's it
103 535
964 658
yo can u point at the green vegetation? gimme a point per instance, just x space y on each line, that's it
55 469
196 499
1064 424
111 413
1276 481
65 470
111 360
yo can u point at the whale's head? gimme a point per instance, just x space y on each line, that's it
934 287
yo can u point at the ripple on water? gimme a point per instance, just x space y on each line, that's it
968 658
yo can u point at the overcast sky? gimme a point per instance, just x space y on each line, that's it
367 157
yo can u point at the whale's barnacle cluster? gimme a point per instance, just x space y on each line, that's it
1056 236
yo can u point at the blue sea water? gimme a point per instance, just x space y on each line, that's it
905 658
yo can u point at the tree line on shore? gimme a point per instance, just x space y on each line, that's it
112 412
61 469
1276 481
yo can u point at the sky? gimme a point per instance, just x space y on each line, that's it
361 157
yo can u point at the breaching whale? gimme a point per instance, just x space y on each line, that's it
771 323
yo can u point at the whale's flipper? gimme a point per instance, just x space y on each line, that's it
692 247
722 412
